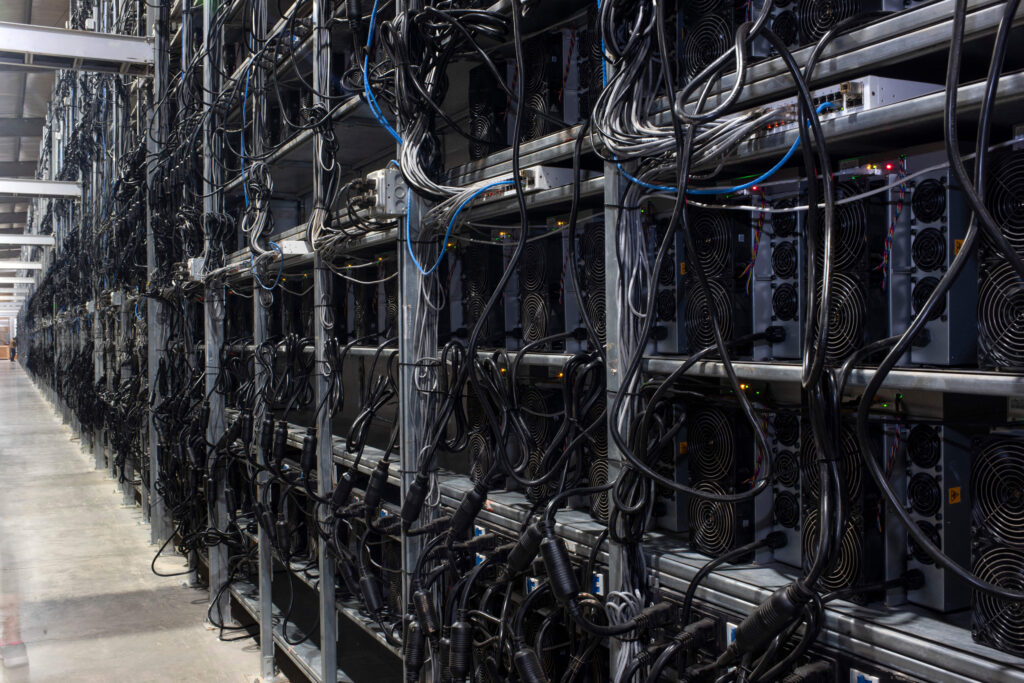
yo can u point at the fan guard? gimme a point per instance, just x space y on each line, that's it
711 238
786 26
787 427
534 271
699 330
850 229
845 317
711 523
600 506
785 302
997 490
596 313
535 411
784 224
711 446
667 272
1001 315
786 509
998 621
705 41
923 446
534 121
919 296
924 494
929 250
846 567
665 305
481 127
1005 196
817 17
533 316
929 201
849 462
787 469
784 260
916 551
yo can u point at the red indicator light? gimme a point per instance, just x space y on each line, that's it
888 167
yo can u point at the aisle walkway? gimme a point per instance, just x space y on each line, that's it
90 608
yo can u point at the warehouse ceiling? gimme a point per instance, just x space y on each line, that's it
23 99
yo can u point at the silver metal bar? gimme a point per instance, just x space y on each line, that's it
21 265
213 318
28 187
323 328
60 48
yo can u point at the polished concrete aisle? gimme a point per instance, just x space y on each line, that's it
90 608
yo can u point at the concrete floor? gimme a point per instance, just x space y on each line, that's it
91 609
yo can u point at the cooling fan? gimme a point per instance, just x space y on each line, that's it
916 551
849 463
705 40
711 447
929 249
786 427
929 201
923 289
699 328
712 524
924 495
1005 196
786 509
850 228
483 129
710 230
784 223
787 469
846 316
997 490
845 568
817 17
997 621
785 302
1001 315
923 446
785 260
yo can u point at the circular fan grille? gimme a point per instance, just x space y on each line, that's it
711 523
929 250
929 201
999 621
1005 197
599 504
391 310
667 273
845 569
818 16
481 127
596 312
923 446
699 330
787 469
665 305
845 317
786 27
787 509
997 489
924 494
592 250
704 42
787 427
784 260
849 462
533 120
784 224
535 409
535 493
916 551
535 267
533 316
474 308
1001 315
478 456
711 443
919 296
850 229
785 302
711 239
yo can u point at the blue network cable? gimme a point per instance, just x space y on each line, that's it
370 99
448 232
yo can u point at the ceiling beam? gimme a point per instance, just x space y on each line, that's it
21 128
